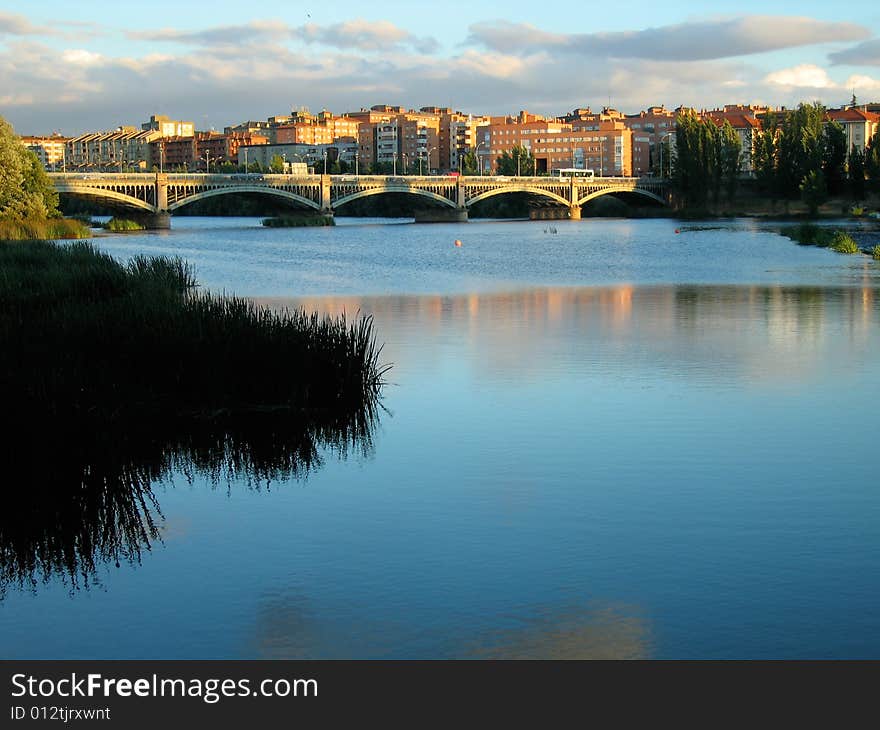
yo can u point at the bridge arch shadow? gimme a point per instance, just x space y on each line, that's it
416 195
550 196
249 190
107 198
623 193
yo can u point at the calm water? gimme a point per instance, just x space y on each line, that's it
611 441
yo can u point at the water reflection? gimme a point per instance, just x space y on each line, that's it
751 333
586 632
290 626
81 495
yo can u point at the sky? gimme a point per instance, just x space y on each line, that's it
95 64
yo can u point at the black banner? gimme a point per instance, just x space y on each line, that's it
167 694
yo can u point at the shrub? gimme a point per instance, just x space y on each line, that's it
42 229
875 253
121 225
843 243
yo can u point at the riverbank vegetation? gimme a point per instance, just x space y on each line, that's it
298 221
122 225
808 234
86 336
28 201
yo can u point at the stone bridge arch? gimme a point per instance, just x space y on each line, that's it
392 189
622 189
103 195
259 189
519 189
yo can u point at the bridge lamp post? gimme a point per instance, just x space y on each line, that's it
325 160
479 159
208 161
662 137
356 159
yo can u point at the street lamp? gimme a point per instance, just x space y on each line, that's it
356 158
479 159
428 156
662 137
325 160
208 161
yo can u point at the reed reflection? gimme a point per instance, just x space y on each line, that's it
82 493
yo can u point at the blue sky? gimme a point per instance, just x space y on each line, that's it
97 64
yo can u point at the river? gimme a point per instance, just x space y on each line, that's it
603 438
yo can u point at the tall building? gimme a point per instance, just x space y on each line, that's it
125 148
168 127
858 124
50 150
597 142
395 138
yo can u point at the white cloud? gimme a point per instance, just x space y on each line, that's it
863 83
805 75
80 57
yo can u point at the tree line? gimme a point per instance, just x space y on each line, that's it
799 154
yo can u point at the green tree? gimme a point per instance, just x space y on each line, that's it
730 158
814 190
469 164
872 158
800 147
276 164
518 161
834 157
765 161
25 189
856 173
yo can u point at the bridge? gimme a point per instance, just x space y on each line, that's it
152 198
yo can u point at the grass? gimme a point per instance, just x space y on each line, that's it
809 234
843 243
296 221
43 229
84 334
121 225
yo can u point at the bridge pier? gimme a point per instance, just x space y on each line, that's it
555 213
152 221
442 215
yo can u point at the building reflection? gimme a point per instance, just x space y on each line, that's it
755 333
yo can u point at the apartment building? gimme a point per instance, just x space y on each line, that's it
405 140
124 148
651 128
456 134
317 129
49 150
168 127
859 124
313 156
589 141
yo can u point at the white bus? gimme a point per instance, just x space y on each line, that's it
570 172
